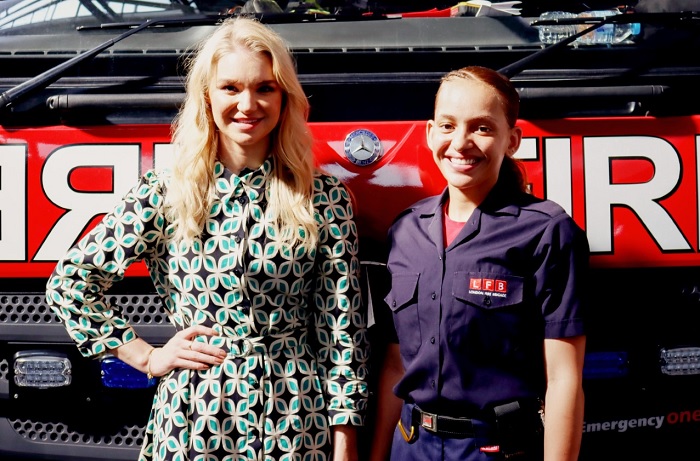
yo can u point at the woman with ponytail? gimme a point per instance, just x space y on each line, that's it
487 299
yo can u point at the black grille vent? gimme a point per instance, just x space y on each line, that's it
127 436
31 308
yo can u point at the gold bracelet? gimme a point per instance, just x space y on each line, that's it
149 375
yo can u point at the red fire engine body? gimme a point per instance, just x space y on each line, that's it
631 183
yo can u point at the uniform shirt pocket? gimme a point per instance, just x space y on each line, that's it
488 290
403 302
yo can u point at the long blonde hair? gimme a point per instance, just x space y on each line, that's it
195 137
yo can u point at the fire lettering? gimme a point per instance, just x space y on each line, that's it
82 206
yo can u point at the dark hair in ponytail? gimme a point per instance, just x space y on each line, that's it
512 174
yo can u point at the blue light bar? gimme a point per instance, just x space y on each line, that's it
605 365
119 375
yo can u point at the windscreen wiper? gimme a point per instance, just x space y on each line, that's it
265 18
689 18
46 78
518 66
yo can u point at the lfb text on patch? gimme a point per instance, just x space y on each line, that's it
495 285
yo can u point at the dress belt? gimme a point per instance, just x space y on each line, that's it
254 345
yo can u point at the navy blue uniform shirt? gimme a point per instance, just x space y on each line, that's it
471 318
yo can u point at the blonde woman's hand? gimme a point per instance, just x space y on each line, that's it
182 351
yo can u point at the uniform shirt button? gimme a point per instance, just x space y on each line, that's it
433 296
432 340
393 304
487 301
432 384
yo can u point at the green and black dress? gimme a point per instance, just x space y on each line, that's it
290 318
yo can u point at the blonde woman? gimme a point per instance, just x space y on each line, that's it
254 254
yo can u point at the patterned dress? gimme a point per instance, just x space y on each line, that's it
291 319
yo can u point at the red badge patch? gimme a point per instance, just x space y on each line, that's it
495 285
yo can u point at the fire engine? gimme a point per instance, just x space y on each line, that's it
611 126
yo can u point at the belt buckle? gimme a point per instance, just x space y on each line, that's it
241 347
428 421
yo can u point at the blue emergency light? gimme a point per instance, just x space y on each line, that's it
605 365
119 375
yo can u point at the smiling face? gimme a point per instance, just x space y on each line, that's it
246 103
470 136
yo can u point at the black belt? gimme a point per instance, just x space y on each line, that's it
448 425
